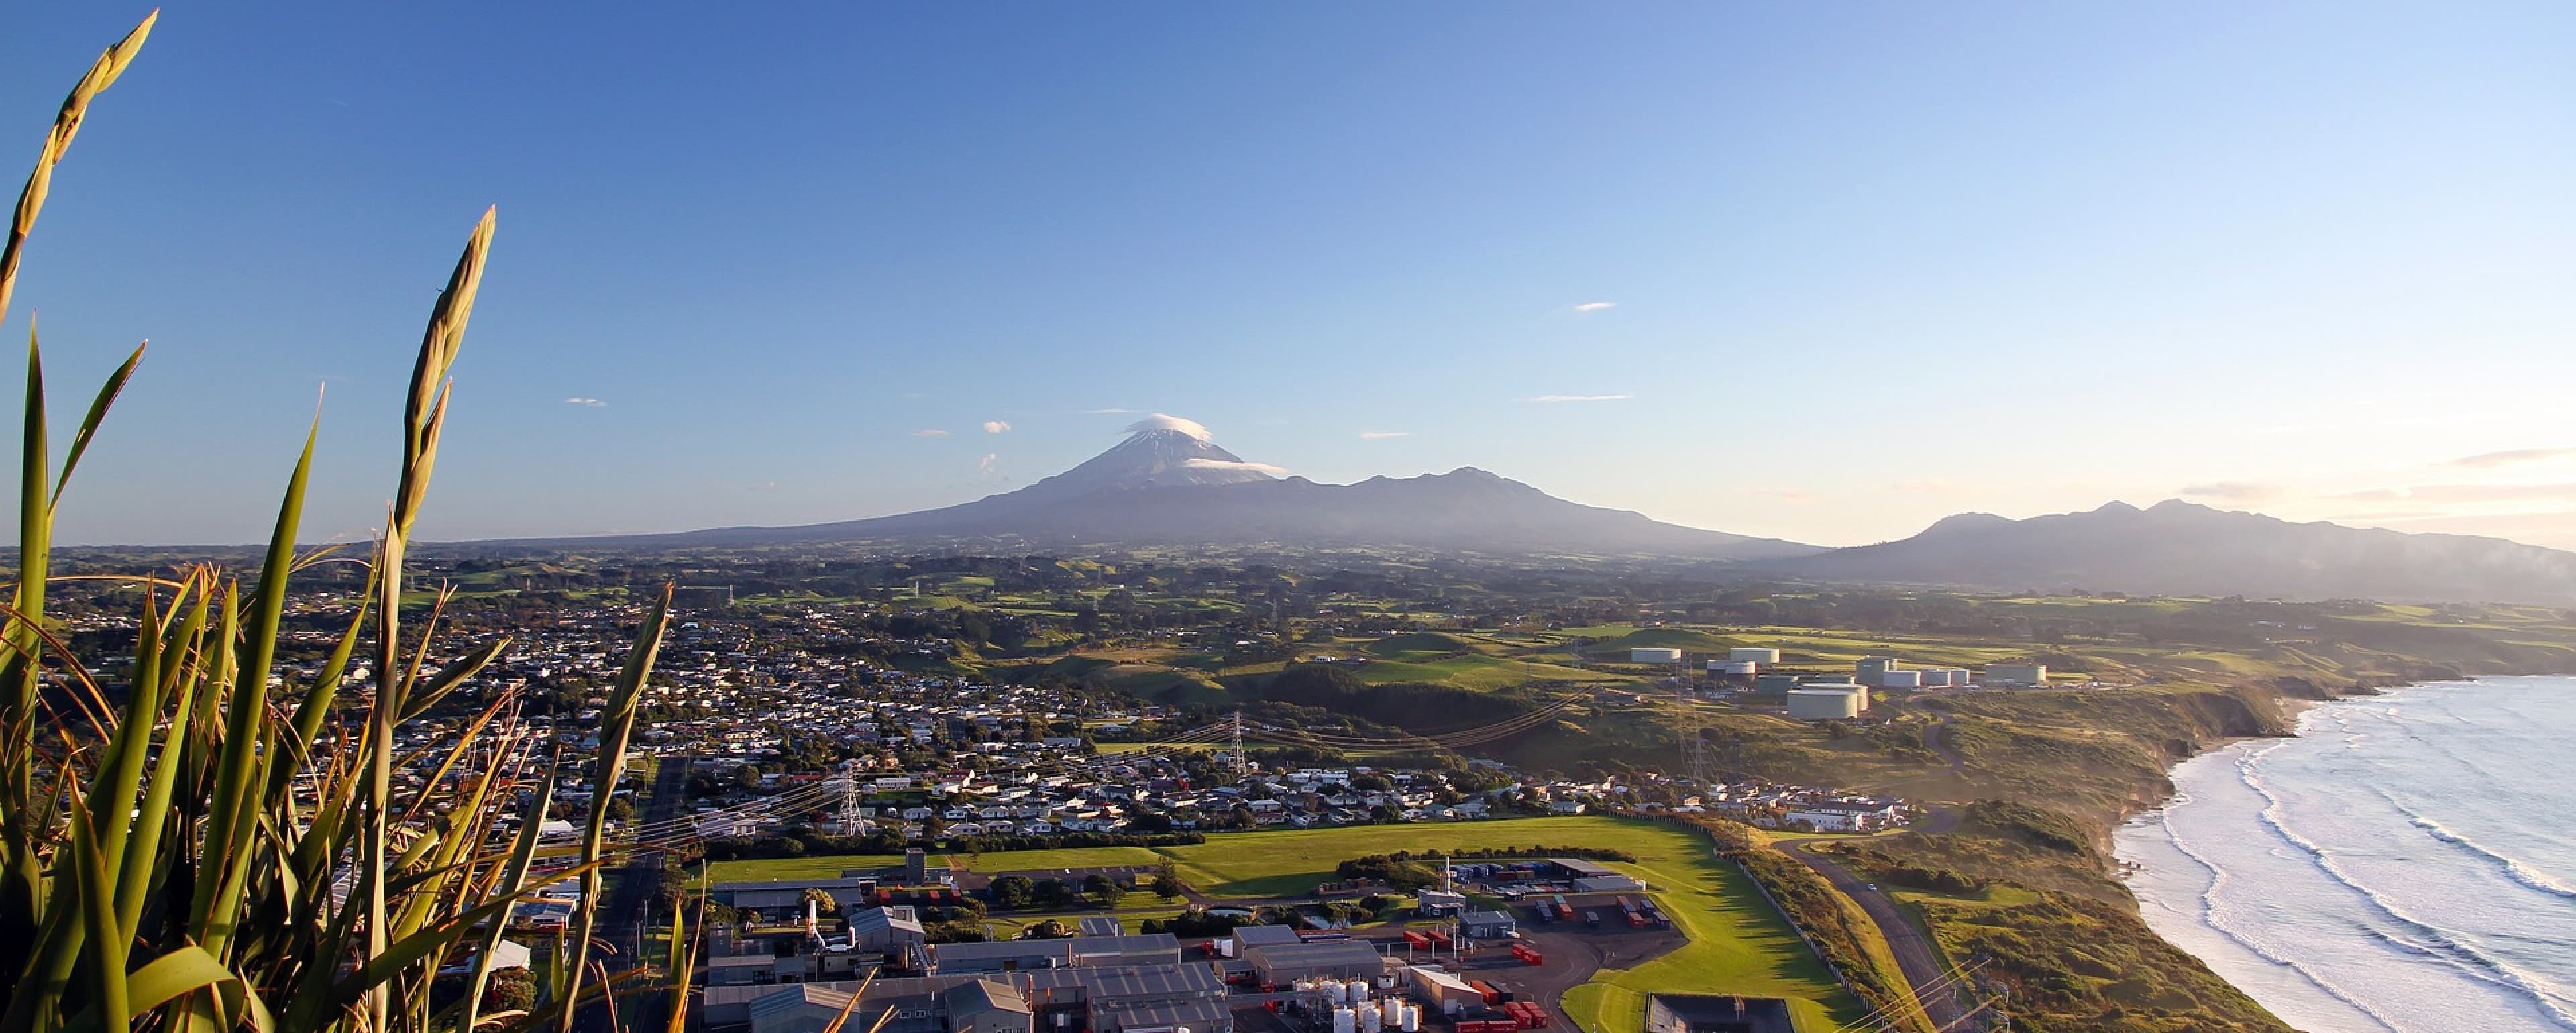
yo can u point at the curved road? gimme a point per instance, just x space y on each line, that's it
1915 954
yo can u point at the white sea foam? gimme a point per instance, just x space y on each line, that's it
2397 852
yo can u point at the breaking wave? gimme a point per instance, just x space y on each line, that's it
2294 870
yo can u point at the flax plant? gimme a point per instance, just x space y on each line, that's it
217 843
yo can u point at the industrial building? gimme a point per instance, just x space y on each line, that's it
1283 964
1872 670
968 1006
1106 1000
2016 674
1448 994
1823 701
1077 952
1247 937
1439 904
1487 925
1654 655
788 895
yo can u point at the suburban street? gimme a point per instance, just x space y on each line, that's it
629 902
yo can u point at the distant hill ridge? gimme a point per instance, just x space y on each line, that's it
1169 484
2179 548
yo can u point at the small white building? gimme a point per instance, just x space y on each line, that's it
1754 656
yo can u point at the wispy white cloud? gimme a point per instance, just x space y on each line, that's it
1381 435
586 403
997 426
2465 493
1562 399
1589 307
2509 457
990 465
2231 491
1166 421
930 432
1220 464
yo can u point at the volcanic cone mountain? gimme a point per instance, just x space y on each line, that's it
1168 483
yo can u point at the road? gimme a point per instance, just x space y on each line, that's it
629 904
1936 738
1915 953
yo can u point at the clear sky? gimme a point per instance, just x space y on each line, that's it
1819 271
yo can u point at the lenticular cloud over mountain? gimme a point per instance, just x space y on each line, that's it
1165 421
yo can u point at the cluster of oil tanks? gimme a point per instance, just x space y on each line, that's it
1358 1007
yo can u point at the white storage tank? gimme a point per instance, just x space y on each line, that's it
1901 679
1743 668
1654 655
1392 1011
2016 674
1754 656
1826 702
1359 991
1412 1021
1371 1021
1345 1021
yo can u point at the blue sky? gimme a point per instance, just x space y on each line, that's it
1851 267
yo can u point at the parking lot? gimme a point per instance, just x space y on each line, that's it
1573 951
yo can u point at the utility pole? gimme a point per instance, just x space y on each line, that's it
1238 742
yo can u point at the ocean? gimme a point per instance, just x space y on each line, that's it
2406 863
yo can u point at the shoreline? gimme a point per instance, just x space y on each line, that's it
2204 873
2294 711
2128 873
